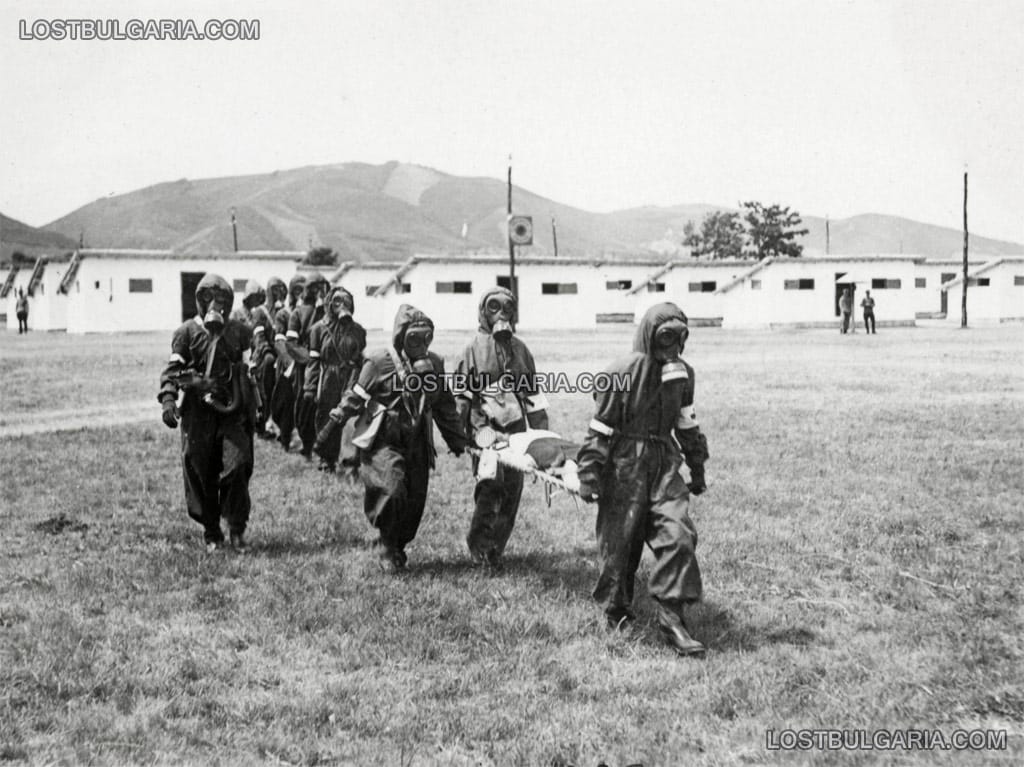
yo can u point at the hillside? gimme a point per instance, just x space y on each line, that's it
17 236
387 212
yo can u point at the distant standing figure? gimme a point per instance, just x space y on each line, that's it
21 309
846 309
868 304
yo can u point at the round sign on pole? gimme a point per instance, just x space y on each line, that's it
520 230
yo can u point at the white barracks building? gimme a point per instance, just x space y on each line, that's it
134 290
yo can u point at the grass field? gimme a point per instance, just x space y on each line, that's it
862 543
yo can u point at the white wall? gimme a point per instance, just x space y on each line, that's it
774 304
998 301
99 301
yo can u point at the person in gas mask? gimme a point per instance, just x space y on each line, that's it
215 414
336 346
630 464
399 395
263 355
309 311
253 296
500 398
282 404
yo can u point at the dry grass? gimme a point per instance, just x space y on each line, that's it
861 542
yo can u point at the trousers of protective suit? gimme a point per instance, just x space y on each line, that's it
644 500
264 375
217 462
282 404
305 412
494 516
396 490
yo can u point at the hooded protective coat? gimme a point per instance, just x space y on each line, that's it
396 429
300 325
336 346
631 456
263 356
282 403
496 387
216 447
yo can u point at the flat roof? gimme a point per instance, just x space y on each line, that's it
138 253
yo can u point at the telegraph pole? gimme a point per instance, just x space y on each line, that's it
554 235
828 242
511 245
963 299
234 229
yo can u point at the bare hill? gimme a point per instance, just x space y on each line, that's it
387 212
20 237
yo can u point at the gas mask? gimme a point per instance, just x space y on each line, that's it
341 306
669 340
501 313
217 304
415 344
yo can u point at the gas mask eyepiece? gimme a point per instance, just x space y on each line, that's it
669 340
416 342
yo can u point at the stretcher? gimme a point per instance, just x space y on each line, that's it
539 453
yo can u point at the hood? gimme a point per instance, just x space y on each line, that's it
485 325
274 282
407 315
210 282
314 282
252 290
643 341
339 291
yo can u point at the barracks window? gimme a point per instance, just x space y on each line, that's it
801 284
138 286
557 288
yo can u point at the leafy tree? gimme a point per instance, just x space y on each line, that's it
771 230
321 256
721 235
18 257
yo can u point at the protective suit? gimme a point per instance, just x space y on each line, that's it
630 463
496 390
399 395
336 346
282 404
263 356
216 412
300 323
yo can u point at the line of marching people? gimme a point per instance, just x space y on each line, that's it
294 359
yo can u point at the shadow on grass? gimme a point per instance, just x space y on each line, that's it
555 570
719 628
275 546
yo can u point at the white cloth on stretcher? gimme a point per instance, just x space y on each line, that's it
534 450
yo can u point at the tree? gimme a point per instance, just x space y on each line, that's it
321 256
771 230
721 235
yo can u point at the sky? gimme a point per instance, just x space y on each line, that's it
832 108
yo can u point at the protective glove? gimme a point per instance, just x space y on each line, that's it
170 415
696 485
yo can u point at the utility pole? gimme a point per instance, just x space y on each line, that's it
511 245
828 239
554 235
234 229
963 300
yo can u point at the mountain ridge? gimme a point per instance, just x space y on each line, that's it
387 212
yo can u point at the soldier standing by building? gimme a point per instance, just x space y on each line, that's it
630 464
868 305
